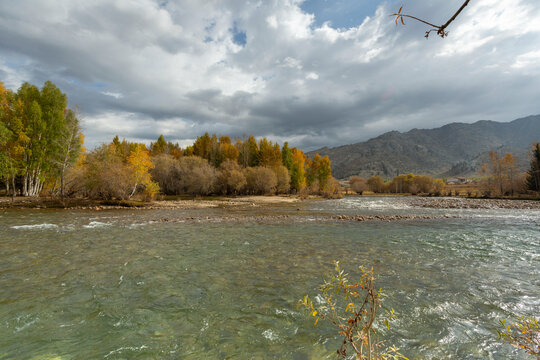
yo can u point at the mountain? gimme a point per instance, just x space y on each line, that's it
451 150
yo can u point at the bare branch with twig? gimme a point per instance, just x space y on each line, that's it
440 29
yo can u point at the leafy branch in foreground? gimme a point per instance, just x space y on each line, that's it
352 308
524 334
440 29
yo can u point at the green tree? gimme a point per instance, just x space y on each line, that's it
319 172
158 147
286 156
202 146
248 152
70 141
5 161
533 174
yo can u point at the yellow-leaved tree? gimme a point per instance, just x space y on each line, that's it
141 164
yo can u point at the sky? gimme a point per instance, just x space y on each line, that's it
315 72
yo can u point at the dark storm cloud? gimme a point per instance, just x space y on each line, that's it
269 68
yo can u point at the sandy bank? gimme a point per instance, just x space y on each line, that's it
183 204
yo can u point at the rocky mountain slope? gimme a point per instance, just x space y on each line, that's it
451 150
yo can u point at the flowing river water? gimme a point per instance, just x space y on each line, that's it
149 284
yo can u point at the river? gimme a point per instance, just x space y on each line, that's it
140 284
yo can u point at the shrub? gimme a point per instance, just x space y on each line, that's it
352 307
260 180
106 176
166 172
230 178
195 176
376 184
283 179
358 184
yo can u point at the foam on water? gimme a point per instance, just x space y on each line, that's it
35 227
97 224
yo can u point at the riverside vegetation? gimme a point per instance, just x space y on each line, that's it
352 307
42 153
499 177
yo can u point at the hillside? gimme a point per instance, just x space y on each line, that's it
451 150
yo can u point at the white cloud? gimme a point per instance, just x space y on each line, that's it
529 59
113 94
176 69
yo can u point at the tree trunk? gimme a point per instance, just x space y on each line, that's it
133 192
25 184
14 193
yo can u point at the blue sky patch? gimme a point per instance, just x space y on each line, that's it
239 36
340 13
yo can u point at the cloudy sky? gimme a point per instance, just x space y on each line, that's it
314 72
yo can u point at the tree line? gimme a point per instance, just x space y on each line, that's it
211 166
499 176
40 138
41 151
405 183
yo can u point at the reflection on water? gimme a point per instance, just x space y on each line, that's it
119 285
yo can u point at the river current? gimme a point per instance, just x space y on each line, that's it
124 284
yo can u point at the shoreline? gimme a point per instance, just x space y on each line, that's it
247 202
179 204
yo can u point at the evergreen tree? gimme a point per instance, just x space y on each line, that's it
286 156
533 175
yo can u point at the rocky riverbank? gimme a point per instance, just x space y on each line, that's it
300 218
468 203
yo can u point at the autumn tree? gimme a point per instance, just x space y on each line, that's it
107 176
509 162
376 184
423 183
166 173
358 184
401 183
283 179
297 173
248 152
228 150
260 180
195 176
163 147
158 147
230 178
318 172
500 171
202 146
140 165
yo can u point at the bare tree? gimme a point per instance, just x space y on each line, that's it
440 29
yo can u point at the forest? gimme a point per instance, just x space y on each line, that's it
42 153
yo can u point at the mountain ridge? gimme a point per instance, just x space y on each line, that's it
450 150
